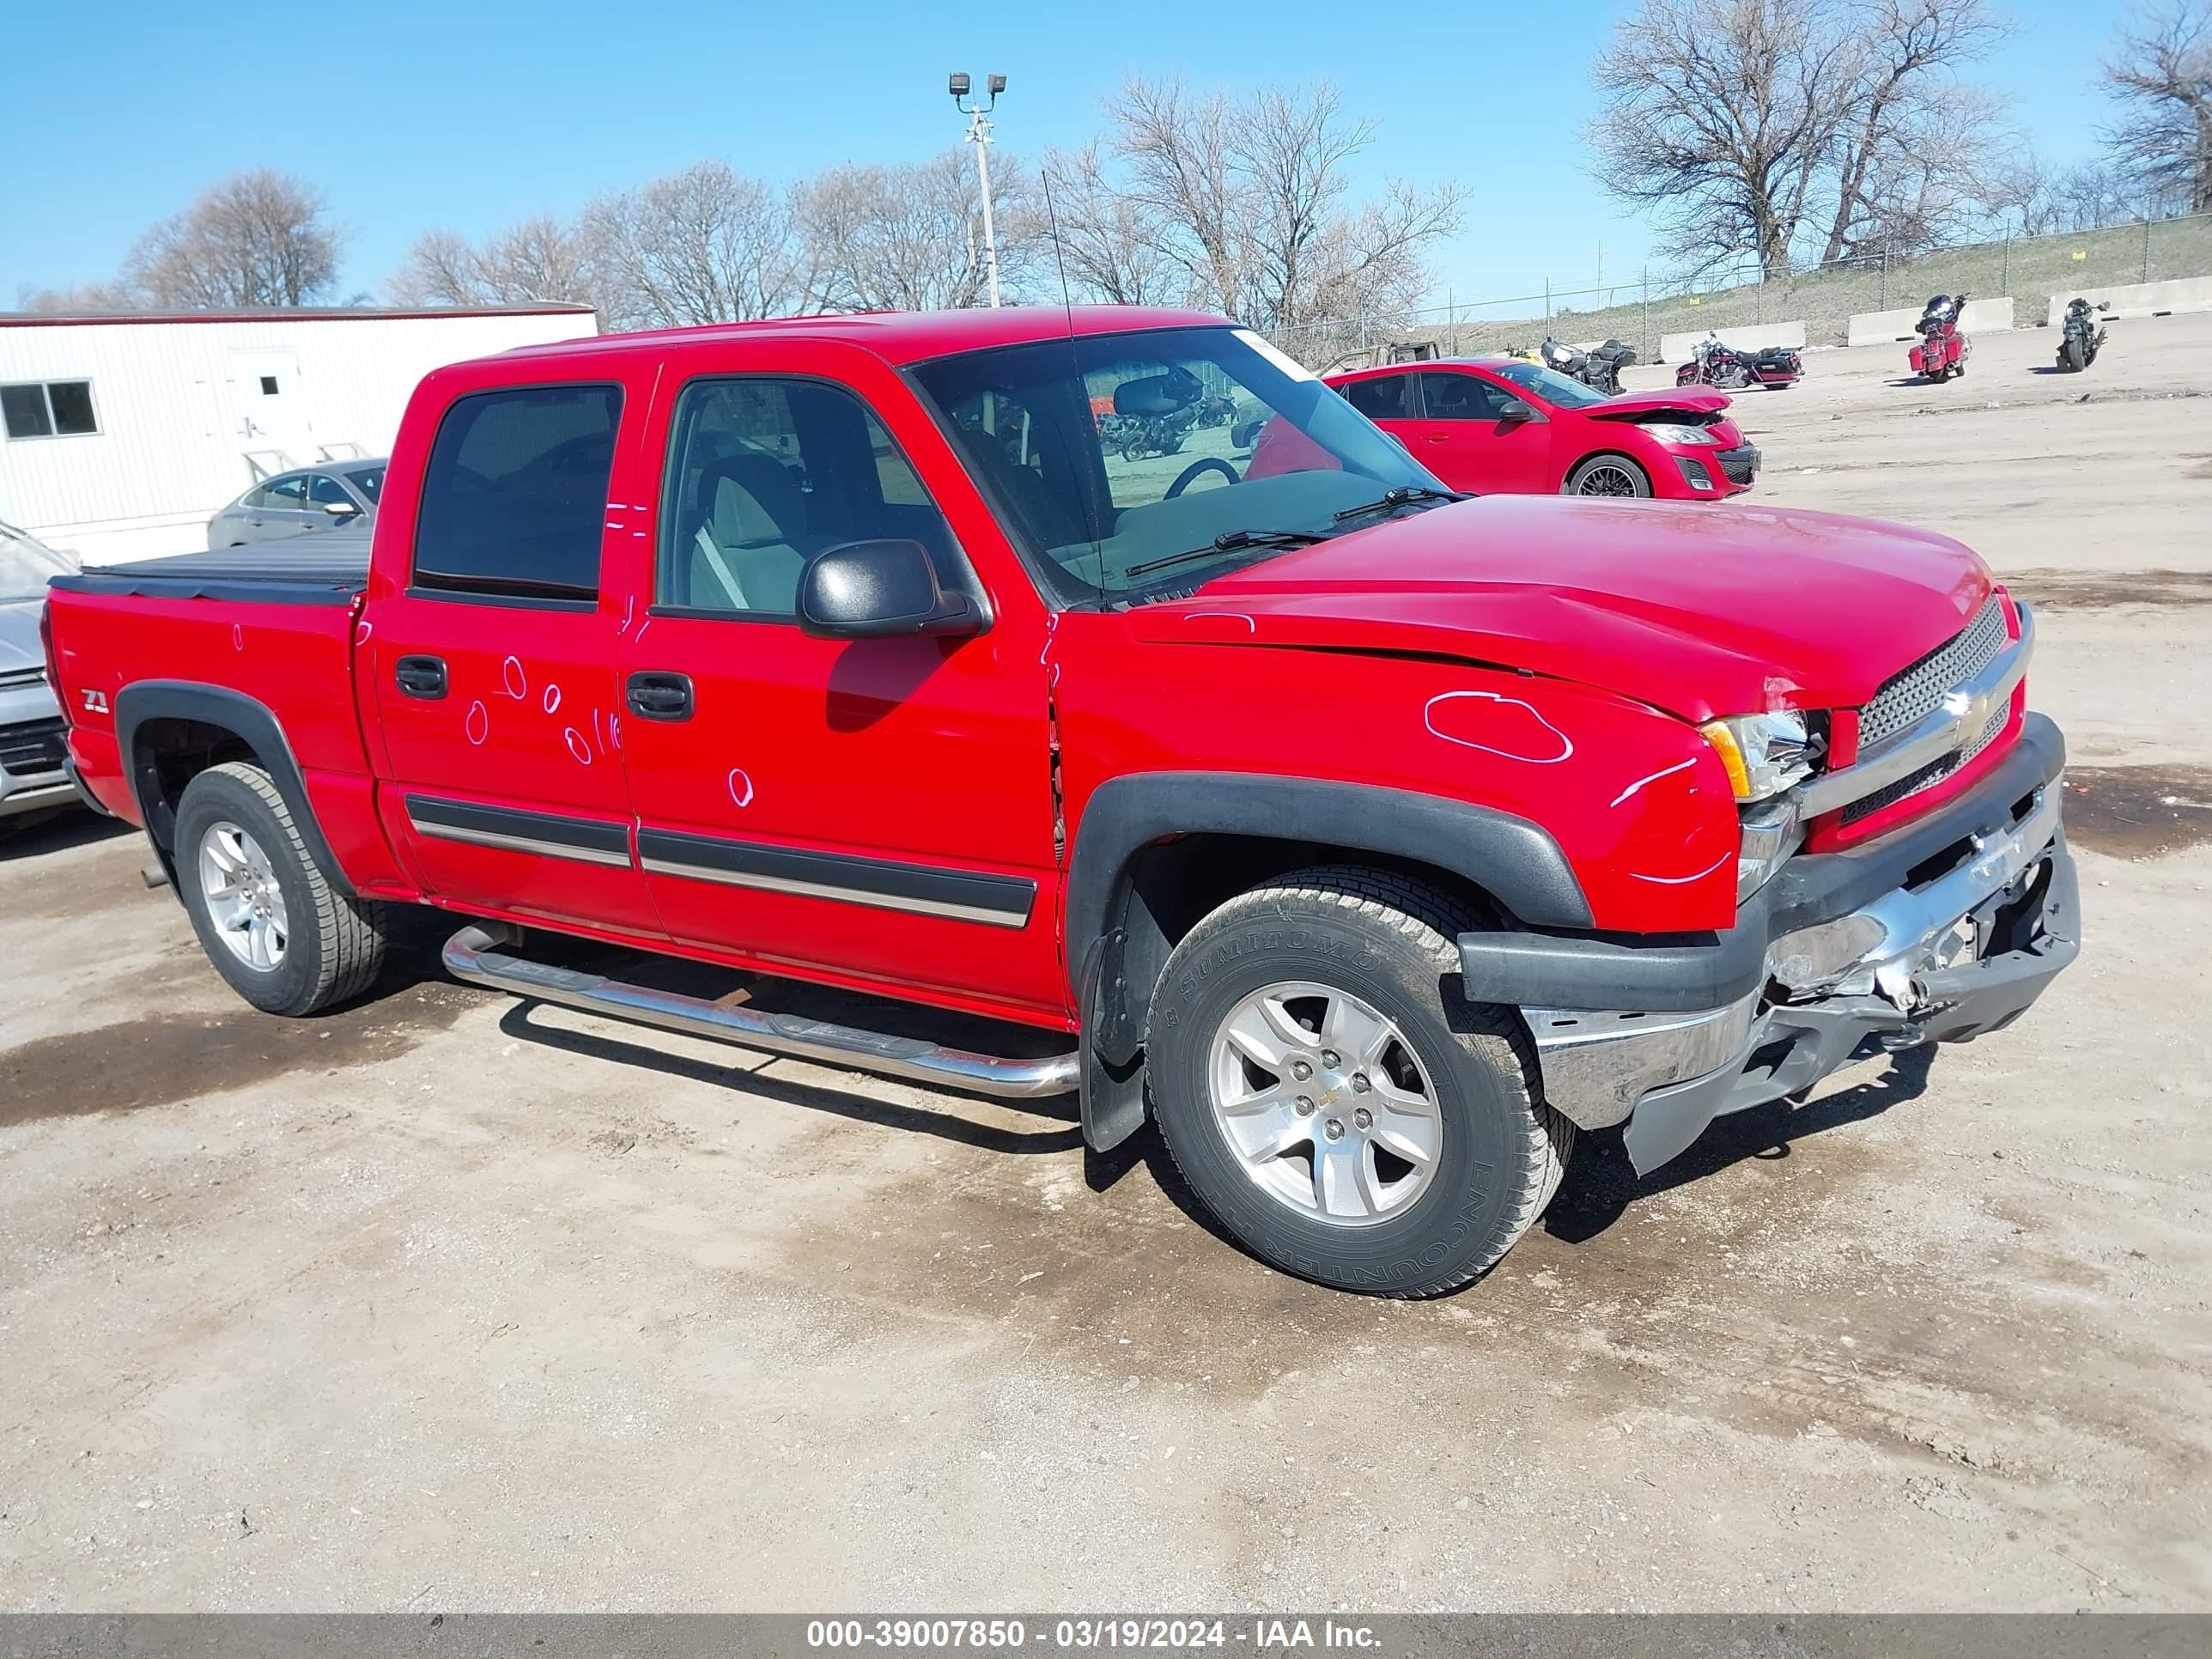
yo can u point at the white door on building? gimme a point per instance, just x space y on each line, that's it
273 431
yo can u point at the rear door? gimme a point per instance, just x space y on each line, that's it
279 508
1464 422
877 810
493 668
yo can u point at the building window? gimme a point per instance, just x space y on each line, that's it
51 409
268 385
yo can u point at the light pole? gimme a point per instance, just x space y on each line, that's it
979 134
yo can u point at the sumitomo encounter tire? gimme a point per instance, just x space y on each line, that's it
266 915
1341 1115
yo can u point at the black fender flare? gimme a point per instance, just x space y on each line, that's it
1114 961
254 723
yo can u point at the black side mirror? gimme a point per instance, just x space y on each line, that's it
879 590
1517 410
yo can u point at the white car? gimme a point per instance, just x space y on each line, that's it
308 499
32 778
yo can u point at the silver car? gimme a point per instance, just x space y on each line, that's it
292 503
31 779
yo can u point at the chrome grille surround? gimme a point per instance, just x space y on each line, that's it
1913 693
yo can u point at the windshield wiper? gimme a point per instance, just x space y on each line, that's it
1402 496
1229 542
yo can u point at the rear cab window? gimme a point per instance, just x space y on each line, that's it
514 493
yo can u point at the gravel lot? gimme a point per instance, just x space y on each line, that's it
435 1303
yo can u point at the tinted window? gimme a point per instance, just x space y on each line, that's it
1461 398
1382 398
368 482
515 494
25 409
72 401
286 492
326 491
762 475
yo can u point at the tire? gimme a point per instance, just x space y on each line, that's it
1382 948
1592 475
2077 358
325 947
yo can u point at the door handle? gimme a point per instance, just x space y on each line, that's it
421 677
660 696
1439 437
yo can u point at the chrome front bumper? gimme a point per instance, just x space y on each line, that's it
1944 960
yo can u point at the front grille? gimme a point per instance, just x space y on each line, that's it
1741 465
16 679
33 747
1934 771
1914 693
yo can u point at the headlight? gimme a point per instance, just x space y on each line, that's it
1764 754
1668 433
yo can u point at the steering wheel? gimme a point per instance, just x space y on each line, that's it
1184 477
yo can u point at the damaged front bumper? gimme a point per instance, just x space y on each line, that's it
1936 933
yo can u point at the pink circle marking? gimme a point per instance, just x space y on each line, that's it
741 786
478 723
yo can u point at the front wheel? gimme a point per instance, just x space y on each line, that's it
266 912
1608 475
1344 1116
2077 356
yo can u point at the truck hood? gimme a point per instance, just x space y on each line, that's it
1628 405
1701 610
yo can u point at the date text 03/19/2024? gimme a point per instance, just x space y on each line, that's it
1079 1635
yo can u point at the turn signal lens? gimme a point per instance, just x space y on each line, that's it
1763 754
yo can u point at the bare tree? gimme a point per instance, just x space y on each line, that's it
77 300
1251 197
910 237
2161 75
1910 141
259 239
706 244
1750 126
1112 245
538 261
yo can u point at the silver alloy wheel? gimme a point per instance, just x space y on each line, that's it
1325 1104
243 899
1607 478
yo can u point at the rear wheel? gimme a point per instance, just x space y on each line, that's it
1343 1115
1608 475
266 915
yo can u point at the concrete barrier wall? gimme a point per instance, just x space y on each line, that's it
2139 298
1889 327
1745 336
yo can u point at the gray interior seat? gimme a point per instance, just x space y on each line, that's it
752 541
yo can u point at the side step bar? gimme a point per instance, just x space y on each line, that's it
474 955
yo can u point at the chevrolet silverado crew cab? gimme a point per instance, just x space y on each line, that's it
1371 839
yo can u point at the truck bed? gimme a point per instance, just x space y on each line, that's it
325 571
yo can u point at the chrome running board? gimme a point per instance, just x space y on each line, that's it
474 955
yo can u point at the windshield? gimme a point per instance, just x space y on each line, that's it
369 481
26 566
1554 389
1113 451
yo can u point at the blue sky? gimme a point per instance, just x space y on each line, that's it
410 115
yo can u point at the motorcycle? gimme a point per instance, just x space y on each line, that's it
1943 348
1777 367
2084 334
1157 434
1715 364
1598 369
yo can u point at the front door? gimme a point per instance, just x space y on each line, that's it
878 811
494 671
1464 422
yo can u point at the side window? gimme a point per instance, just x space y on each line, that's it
324 491
286 492
1382 398
515 493
1461 398
763 474
256 498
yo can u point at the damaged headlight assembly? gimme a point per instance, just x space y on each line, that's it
1766 755
1669 432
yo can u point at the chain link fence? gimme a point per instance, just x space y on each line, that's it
2028 269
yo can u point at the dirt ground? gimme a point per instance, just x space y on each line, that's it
436 1304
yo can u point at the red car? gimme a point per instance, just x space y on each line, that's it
1500 426
1370 841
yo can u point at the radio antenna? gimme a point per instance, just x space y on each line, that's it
1059 261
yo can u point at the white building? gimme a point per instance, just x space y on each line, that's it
121 434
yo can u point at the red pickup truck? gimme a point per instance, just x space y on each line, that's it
1371 839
